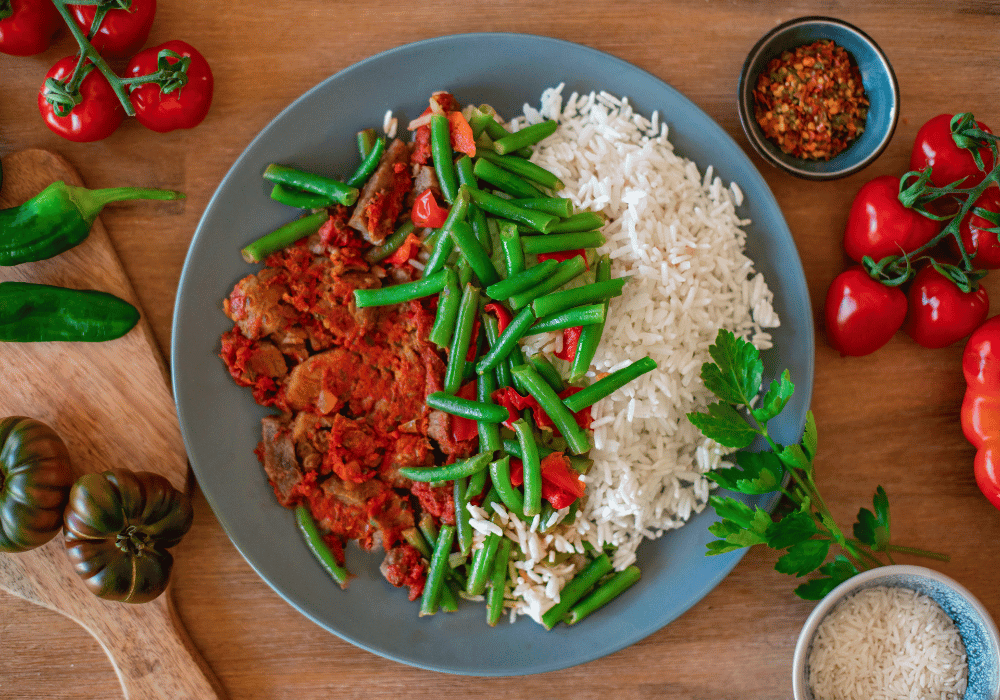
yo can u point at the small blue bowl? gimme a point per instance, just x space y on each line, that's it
876 74
978 631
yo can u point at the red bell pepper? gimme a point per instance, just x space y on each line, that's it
502 314
564 255
427 212
981 405
464 428
561 484
404 253
460 132
515 403
571 338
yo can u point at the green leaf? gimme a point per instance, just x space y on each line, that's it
794 457
803 558
873 528
736 375
725 425
775 399
720 547
794 528
810 437
753 519
759 472
834 573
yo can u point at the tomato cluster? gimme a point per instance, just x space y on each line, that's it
934 232
165 87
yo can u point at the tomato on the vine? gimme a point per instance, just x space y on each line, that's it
27 26
89 113
862 314
124 25
941 313
987 470
181 99
977 238
981 405
879 225
934 146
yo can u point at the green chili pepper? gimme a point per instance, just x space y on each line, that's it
59 218
40 312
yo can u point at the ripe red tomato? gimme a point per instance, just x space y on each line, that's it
98 112
987 470
978 241
934 146
940 313
179 101
122 32
981 358
980 417
862 315
27 26
879 225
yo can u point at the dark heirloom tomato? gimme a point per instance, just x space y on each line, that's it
934 146
862 315
118 528
98 112
35 478
180 101
124 28
940 313
879 225
27 26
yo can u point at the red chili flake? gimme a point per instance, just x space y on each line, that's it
810 101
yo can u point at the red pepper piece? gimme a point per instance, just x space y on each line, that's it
463 428
502 314
571 339
426 210
561 484
461 134
564 255
404 253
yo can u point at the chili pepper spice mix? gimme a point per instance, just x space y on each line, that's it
810 101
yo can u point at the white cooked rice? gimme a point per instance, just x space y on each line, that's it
887 643
676 232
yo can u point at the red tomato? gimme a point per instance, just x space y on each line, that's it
981 359
879 225
976 238
122 32
27 26
940 313
179 100
987 470
98 112
935 147
980 417
862 315
426 211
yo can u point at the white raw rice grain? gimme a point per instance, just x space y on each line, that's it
887 643
390 124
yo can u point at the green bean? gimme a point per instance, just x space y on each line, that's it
513 448
557 206
514 331
449 300
505 180
564 420
494 130
500 476
523 167
399 293
491 497
584 221
590 336
525 279
604 593
474 253
449 472
445 243
576 589
381 252
467 408
415 539
311 182
477 120
284 236
482 564
366 142
367 165
532 467
577 316
441 152
528 136
510 243
437 571
506 209
558 242
566 271
467 309
548 371
428 528
320 550
298 198
516 358
476 217
555 302
498 584
489 433
449 596
477 482
602 387
502 369
463 526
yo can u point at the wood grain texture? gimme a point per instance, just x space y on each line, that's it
112 405
890 418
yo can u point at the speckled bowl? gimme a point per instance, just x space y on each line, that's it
979 632
876 74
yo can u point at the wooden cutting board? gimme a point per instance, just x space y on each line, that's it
112 405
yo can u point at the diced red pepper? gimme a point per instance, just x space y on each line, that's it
565 255
571 338
460 132
561 484
404 253
514 403
463 428
502 314
426 210
470 356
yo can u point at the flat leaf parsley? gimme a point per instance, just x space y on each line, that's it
807 534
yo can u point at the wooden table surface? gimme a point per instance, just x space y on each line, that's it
890 418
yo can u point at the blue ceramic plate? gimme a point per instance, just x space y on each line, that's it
221 423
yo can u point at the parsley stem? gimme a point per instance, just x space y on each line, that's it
900 549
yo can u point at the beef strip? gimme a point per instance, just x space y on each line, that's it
277 452
380 183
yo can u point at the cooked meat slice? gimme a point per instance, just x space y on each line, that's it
381 199
255 304
266 360
404 566
335 308
350 493
277 453
322 382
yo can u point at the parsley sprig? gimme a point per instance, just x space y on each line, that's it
808 533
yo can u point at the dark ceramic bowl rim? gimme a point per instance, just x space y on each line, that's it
753 131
